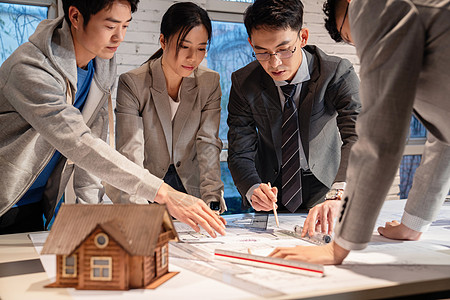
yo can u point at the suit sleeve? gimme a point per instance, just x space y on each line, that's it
209 147
389 36
348 106
242 140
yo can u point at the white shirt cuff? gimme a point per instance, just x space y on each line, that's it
415 223
339 185
250 191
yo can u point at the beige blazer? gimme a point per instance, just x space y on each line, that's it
146 134
403 47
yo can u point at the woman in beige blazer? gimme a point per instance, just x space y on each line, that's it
168 110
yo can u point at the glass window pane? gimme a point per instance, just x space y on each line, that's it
70 261
417 130
17 23
101 262
96 272
105 273
231 194
408 168
101 240
229 51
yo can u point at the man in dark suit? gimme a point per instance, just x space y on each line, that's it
269 154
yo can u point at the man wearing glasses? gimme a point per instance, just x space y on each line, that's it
292 115
404 48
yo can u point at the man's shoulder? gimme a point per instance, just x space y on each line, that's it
325 59
252 69
329 65
250 72
26 62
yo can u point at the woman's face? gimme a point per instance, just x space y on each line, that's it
191 53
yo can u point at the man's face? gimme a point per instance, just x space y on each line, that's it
342 21
271 41
103 33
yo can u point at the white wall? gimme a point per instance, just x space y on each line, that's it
141 40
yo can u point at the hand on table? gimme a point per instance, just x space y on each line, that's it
190 210
397 231
321 218
264 197
330 254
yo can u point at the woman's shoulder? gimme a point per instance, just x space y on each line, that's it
206 78
203 72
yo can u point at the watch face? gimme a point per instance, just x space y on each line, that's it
214 205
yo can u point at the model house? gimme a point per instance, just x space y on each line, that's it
111 247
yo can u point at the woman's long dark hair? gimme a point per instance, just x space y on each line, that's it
182 17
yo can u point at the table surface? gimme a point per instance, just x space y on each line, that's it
22 274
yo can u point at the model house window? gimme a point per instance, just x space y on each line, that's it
101 240
164 256
101 268
70 266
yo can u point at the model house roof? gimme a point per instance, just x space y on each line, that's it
135 227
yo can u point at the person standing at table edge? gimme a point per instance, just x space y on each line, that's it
46 134
171 98
307 154
403 47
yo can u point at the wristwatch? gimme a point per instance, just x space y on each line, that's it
334 194
214 205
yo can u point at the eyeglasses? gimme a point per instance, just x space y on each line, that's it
342 25
283 54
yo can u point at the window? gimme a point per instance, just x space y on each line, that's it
101 240
164 255
101 268
69 266
19 19
411 159
228 52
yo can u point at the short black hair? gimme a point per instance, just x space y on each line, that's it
88 8
329 8
274 14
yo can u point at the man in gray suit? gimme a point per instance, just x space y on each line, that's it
323 103
403 46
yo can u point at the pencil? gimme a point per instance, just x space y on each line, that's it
275 211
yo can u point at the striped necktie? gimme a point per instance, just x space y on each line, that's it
291 191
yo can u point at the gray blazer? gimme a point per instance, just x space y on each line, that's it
146 135
327 115
404 49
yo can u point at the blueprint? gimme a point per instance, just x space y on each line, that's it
394 257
